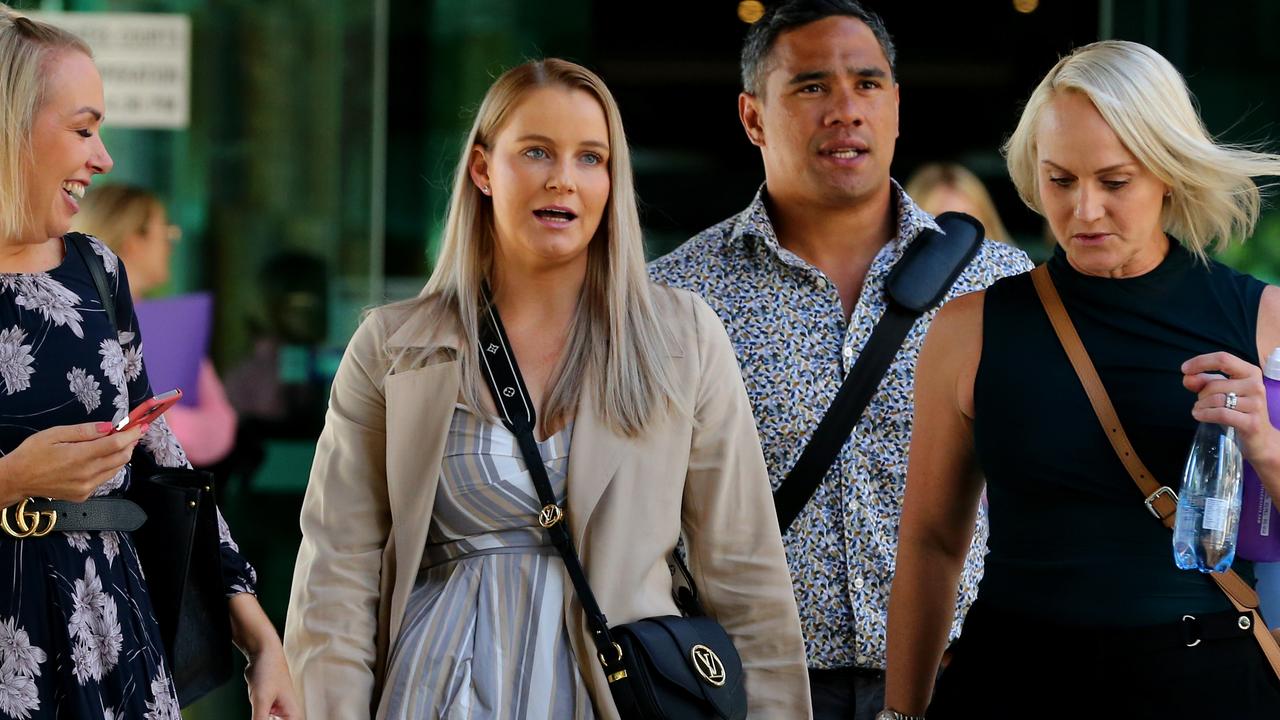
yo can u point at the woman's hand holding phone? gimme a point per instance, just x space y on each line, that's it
70 462
66 462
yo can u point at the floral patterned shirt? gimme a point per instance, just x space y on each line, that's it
787 325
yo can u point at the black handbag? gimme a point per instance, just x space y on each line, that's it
660 668
179 549
180 553
677 667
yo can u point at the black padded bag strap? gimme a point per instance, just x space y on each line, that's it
918 282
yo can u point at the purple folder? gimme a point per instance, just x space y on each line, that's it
175 337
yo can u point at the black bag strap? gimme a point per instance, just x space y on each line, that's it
502 374
918 282
81 245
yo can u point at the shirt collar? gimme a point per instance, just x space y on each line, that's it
754 223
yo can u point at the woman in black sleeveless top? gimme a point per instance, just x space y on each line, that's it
1082 612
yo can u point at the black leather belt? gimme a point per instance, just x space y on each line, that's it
36 518
1191 631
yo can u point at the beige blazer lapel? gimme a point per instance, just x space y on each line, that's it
419 409
595 453
420 403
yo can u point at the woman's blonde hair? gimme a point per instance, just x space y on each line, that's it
113 213
1145 100
26 48
950 176
616 342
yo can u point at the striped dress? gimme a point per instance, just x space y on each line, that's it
484 634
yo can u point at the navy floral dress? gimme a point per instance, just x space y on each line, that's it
77 635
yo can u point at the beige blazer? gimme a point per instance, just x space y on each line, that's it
367 508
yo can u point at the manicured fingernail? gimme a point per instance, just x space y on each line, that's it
103 427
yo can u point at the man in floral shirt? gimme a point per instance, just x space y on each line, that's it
798 279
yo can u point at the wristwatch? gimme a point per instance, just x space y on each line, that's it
887 714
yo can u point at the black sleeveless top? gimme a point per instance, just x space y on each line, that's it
1070 536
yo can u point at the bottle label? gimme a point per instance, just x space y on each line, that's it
1215 514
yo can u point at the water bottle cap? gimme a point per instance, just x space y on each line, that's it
1272 368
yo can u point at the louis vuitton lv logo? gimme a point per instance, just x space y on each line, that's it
708 665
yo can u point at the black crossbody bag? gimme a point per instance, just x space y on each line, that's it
918 282
179 550
659 668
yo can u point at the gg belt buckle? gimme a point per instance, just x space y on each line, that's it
27 522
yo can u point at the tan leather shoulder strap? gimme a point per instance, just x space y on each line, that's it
1160 499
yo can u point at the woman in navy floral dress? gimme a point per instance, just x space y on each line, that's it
77 635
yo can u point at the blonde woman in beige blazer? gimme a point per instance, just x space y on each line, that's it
637 381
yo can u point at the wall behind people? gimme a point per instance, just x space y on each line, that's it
476 41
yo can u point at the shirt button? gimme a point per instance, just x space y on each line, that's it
848 352
858 583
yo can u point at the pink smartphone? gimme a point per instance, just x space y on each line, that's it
150 409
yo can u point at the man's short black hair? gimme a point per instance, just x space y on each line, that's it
792 14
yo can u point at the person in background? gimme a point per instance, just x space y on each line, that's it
133 223
943 187
280 388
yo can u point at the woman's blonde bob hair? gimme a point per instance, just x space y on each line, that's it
26 48
114 213
929 179
616 343
1145 100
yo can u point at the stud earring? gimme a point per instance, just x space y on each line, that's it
485 189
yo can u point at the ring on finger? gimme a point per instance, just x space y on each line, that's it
1232 400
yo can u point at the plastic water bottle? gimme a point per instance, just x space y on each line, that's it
1204 536
1259 517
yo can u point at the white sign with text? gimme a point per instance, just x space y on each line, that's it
145 61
